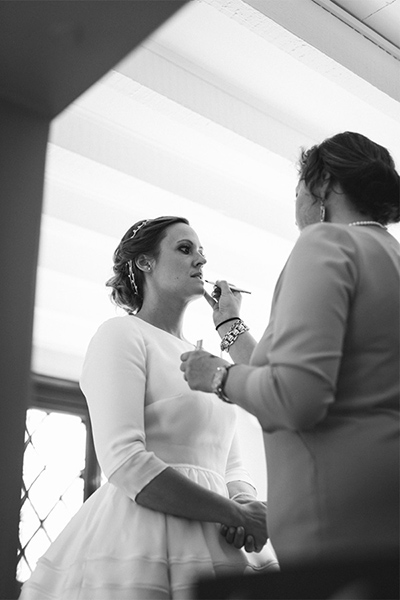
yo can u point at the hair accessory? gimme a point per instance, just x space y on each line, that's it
367 223
226 321
322 211
232 334
131 276
138 228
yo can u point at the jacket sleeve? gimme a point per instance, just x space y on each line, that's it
310 310
114 381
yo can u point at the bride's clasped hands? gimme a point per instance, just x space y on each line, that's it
253 534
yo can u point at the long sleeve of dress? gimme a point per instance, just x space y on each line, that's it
114 381
311 304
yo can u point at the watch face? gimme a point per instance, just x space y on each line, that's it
217 379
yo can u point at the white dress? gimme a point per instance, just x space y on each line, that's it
113 548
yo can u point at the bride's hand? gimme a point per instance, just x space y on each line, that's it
253 535
238 538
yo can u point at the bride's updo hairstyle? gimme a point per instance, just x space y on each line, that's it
144 237
365 171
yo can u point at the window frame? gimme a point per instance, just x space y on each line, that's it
52 394
62 395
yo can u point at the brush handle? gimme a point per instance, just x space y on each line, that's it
231 287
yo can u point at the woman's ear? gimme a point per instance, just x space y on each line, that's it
144 263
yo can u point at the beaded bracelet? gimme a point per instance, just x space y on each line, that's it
232 335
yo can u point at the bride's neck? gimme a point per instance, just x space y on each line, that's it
164 317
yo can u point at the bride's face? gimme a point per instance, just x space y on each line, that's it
178 267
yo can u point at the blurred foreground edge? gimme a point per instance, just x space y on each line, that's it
372 579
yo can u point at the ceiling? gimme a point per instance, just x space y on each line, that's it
205 119
381 17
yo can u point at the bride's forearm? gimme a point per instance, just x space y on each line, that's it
242 489
172 493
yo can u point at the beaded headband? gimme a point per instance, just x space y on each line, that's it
138 228
131 274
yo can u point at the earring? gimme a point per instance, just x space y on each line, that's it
322 211
131 276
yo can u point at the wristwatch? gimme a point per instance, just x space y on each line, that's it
218 382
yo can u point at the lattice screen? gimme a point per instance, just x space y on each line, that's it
53 484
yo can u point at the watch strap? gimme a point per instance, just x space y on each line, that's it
219 389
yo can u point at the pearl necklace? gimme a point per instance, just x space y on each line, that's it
367 223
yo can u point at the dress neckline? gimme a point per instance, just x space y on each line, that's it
138 319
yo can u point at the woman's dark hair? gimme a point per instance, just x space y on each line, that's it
144 237
365 171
